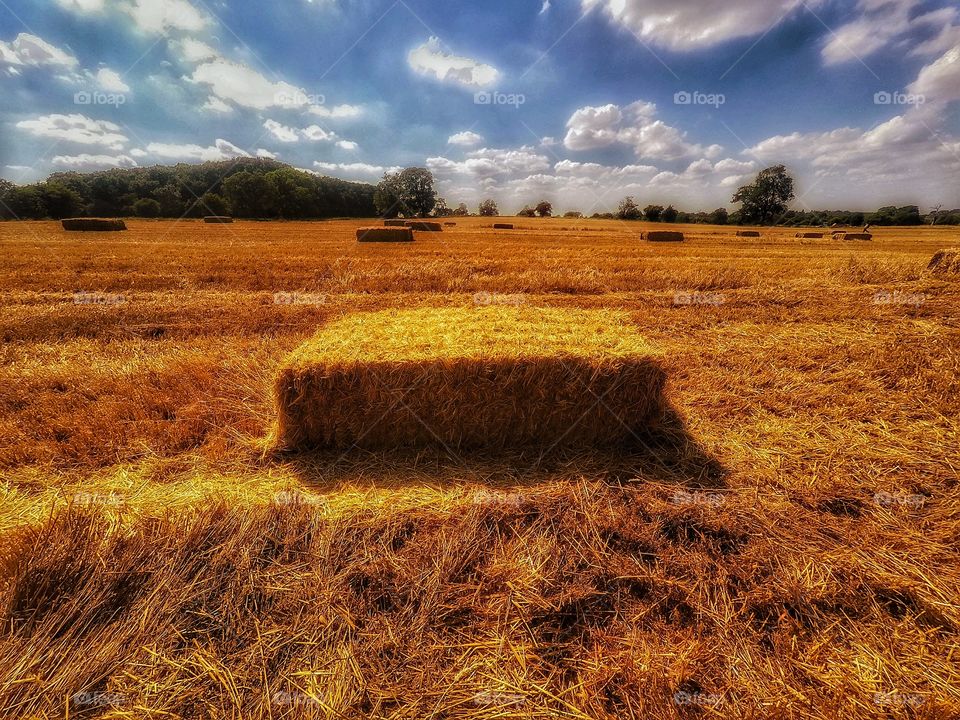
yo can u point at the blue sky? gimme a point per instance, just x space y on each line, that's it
577 101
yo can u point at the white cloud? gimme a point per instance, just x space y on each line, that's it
940 81
317 133
337 112
32 51
355 170
194 51
684 25
491 162
347 145
465 138
262 153
94 162
545 7
430 60
76 128
281 132
220 150
215 104
242 85
111 81
161 16
592 128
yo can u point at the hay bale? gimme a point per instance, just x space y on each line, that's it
748 233
855 236
424 226
840 235
395 223
93 224
491 377
503 226
450 224
218 219
810 235
384 234
662 236
945 262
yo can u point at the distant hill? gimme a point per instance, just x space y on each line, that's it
245 187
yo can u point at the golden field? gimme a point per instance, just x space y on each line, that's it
784 546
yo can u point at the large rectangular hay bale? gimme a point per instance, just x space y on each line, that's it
748 233
503 226
93 224
218 219
486 377
662 236
810 235
397 222
424 226
857 236
384 234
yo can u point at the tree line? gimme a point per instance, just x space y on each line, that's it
246 187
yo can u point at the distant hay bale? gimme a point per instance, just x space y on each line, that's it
93 224
384 234
840 235
662 236
395 223
945 262
810 235
424 226
855 236
503 226
748 233
218 219
450 223
490 377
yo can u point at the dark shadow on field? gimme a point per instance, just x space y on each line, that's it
664 452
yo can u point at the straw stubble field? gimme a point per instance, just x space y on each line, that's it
782 544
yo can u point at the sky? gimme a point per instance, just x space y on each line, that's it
579 102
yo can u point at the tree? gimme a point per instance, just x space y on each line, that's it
765 201
629 210
544 209
669 215
147 208
461 210
26 201
6 197
214 204
441 209
652 212
527 212
573 214
409 193
248 194
60 201
170 203
488 208
719 216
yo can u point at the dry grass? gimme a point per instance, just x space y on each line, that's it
384 234
945 262
784 545
490 377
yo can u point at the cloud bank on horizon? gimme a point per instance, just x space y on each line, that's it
579 102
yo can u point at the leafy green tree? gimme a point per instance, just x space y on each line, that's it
527 212
6 198
719 217
26 202
60 201
628 209
544 209
409 193
488 208
170 203
652 213
147 208
669 215
249 195
388 197
765 201
461 210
